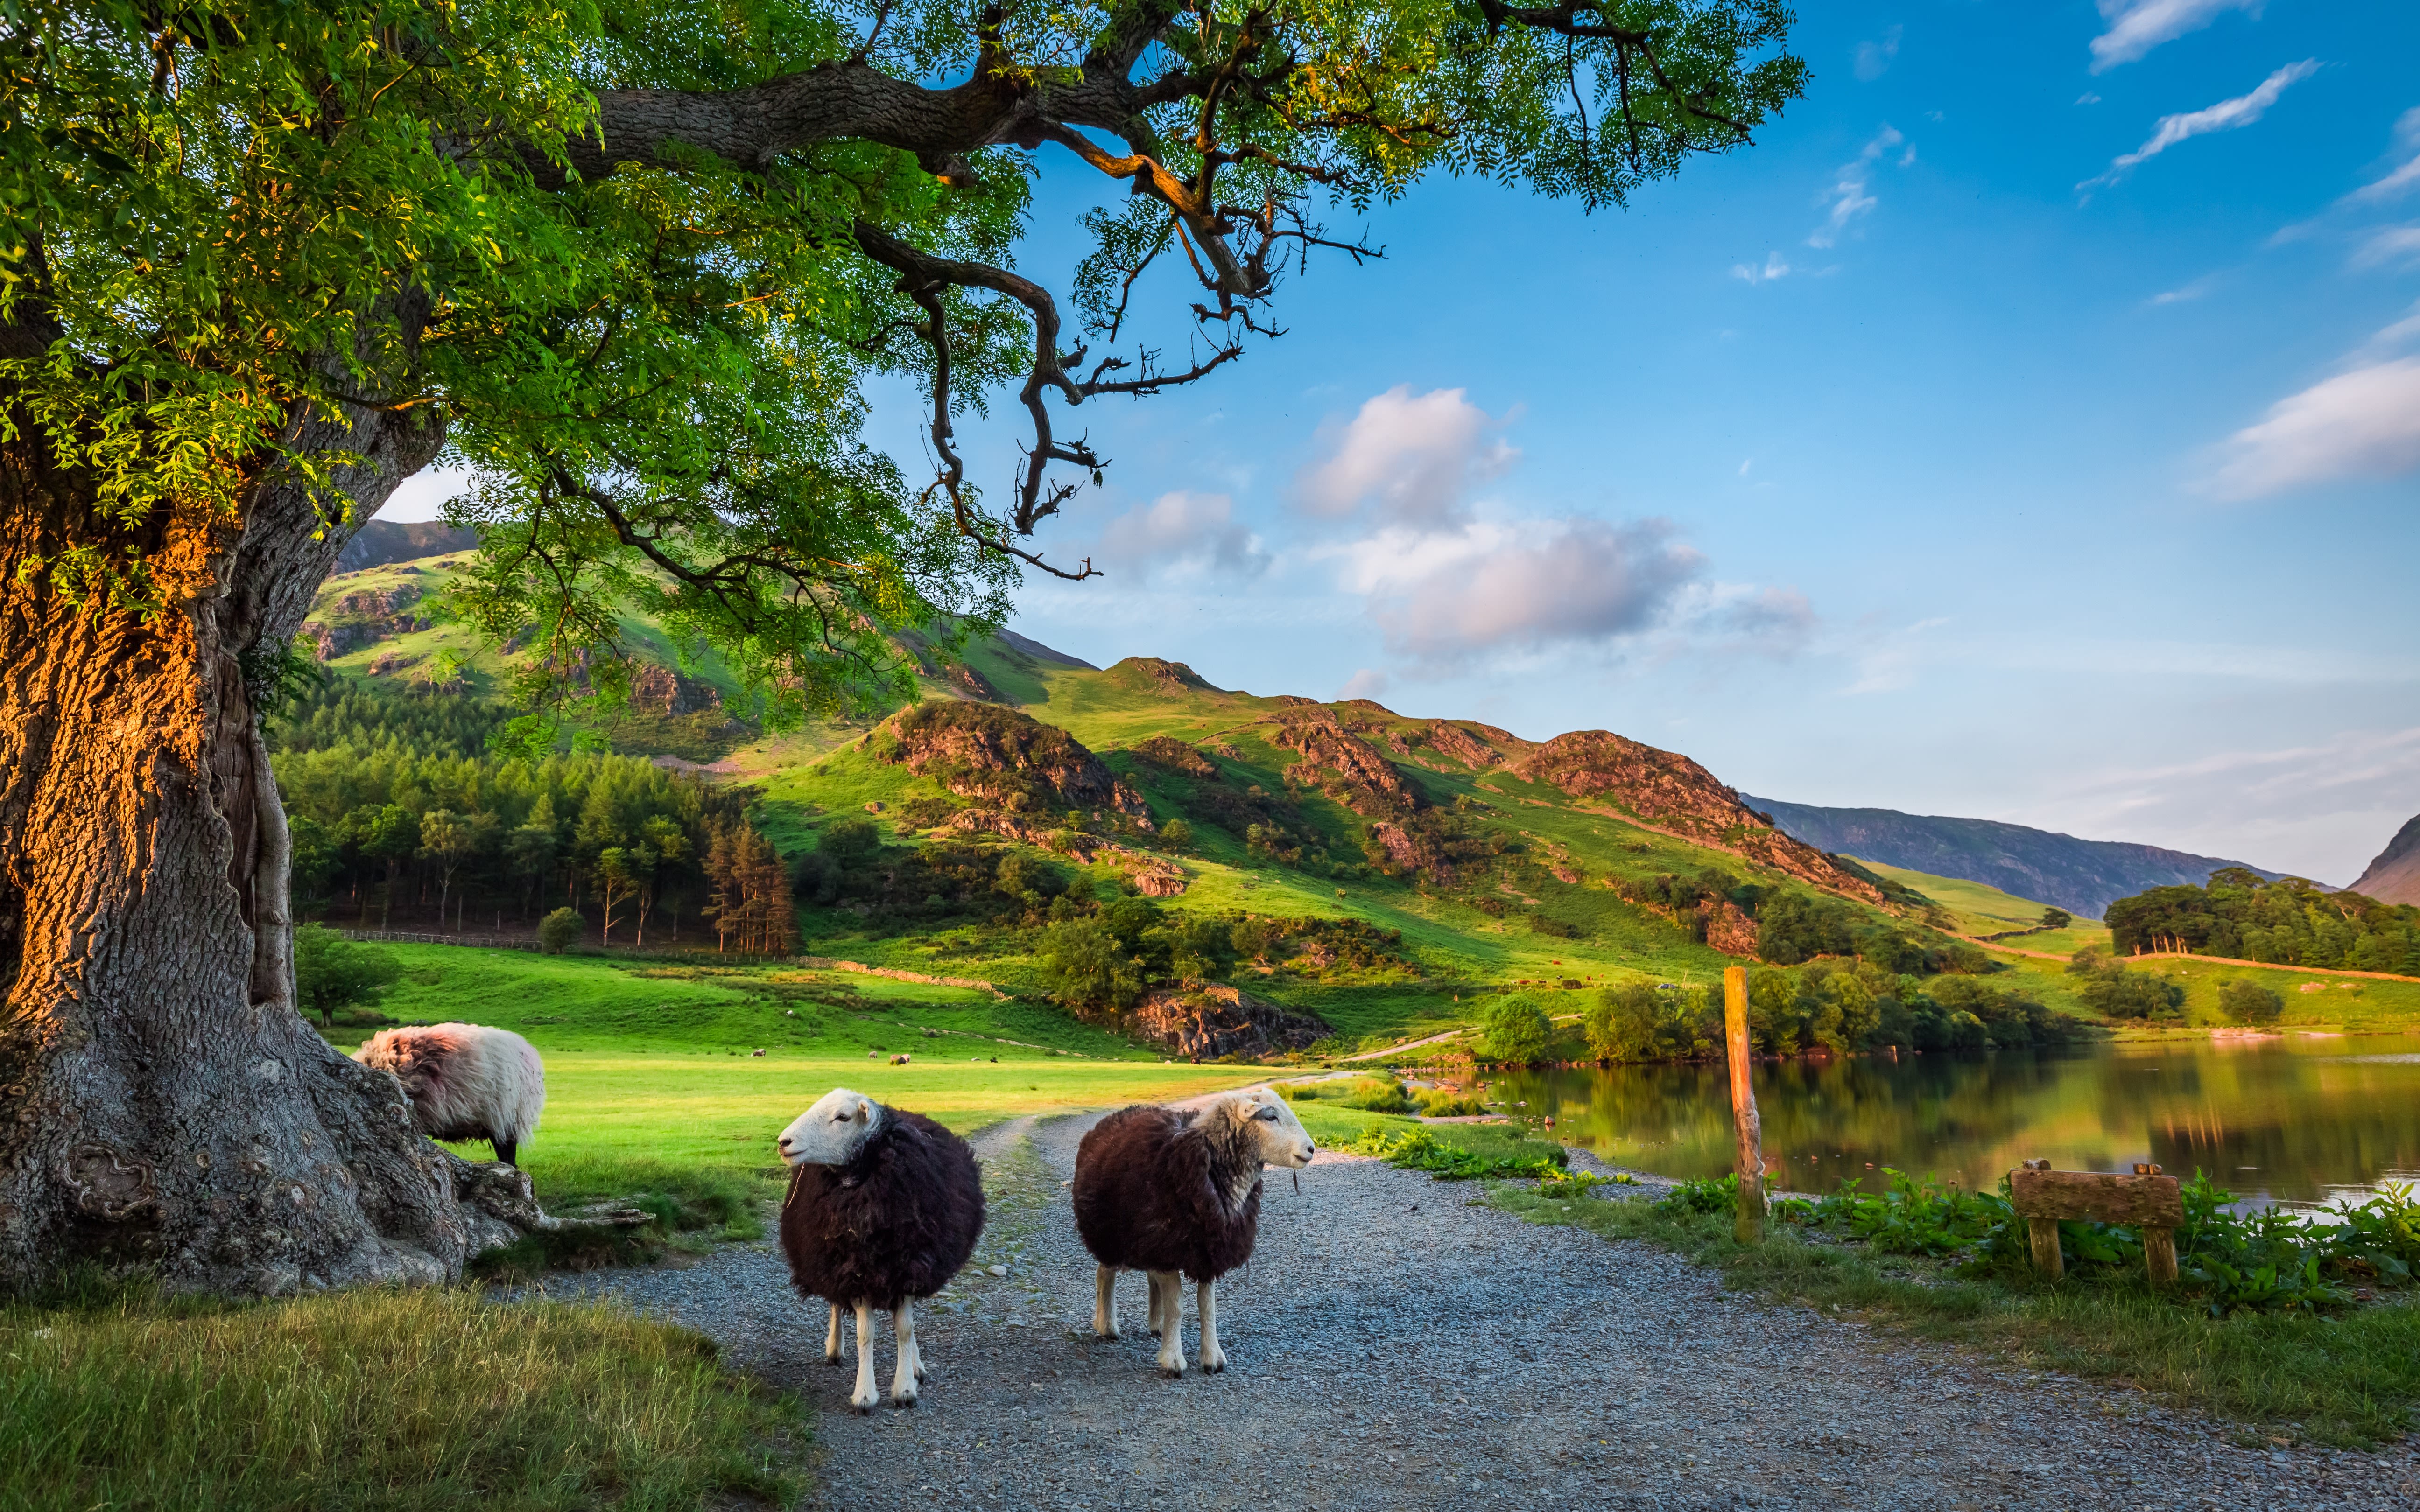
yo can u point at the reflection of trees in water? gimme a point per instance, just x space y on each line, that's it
2306 1122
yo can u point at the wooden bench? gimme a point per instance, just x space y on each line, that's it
2146 1199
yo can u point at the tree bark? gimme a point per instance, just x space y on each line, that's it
163 1104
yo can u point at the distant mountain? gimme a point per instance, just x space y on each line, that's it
382 542
2083 876
2395 876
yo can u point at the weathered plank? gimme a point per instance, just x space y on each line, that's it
2150 1201
1750 1229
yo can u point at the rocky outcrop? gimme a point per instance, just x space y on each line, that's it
363 618
660 690
1347 766
1208 1022
1729 928
1160 676
999 756
1176 756
1458 743
1676 794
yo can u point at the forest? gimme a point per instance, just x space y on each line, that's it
2244 916
402 816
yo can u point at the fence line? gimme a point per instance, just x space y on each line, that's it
489 940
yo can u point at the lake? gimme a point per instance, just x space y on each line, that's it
2300 1119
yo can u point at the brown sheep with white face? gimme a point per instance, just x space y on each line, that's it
1173 1190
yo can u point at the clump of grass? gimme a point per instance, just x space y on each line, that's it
690 1210
375 1400
1443 1102
2352 1378
1417 1149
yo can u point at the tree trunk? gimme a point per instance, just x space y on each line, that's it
163 1104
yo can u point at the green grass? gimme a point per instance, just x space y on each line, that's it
375 1399
652 1086
2345 1380
1979 908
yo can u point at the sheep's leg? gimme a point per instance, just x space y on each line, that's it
505 1148
1214 1359
905 1371
1105 1303
831 1337
1159 1281
1171 1317
864 1396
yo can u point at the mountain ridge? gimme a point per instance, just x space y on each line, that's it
2394 876
2083 876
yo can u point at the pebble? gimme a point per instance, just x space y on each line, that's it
1381 1358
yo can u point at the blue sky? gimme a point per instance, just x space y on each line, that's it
2027 428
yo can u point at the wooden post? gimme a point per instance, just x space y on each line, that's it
1752 1135
2160 1253
2044 1232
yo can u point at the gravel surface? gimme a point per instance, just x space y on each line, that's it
1396 1345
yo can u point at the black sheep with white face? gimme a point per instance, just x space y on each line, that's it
885 1206
1177 1190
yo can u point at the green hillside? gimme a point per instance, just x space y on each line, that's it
1405 872
1979 910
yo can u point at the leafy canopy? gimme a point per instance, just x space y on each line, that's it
638 267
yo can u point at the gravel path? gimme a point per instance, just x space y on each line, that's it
1395 1345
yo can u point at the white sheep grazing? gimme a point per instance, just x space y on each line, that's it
466 1081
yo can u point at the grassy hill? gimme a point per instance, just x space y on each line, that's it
1414 868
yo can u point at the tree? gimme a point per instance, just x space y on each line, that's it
333 972
620 872
2054 919
2114 991
1087 968
1176 836
634 266
2246 1001
559 931
1621 1023
1516 1031
448 839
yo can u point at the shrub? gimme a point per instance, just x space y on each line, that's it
1177 836
2114 991
1086 967
1378 1094
2248 1002
1445 1102
849 842
1517 1032
559 931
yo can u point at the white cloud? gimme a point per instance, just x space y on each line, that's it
1874 57
2389 244
1888 662
1193 529
1414 457
1774 268
2227 116
2361 423
2341 794
2136 26
2188 292
2405 175
2087 98
1366 683
1443 598
1851 194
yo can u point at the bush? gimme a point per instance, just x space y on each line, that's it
1517 1032
1378 1094
2114 991
1177 836
559 931
1445 1102
1086 967
849 842
2248 1002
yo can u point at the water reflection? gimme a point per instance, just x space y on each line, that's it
2298 1119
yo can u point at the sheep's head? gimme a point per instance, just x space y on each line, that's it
831 1132
1272 1126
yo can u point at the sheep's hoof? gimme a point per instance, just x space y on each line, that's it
1214 1364
862 1409
903 1402
1172 1372
834 1359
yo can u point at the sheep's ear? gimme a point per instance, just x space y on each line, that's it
864 1110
